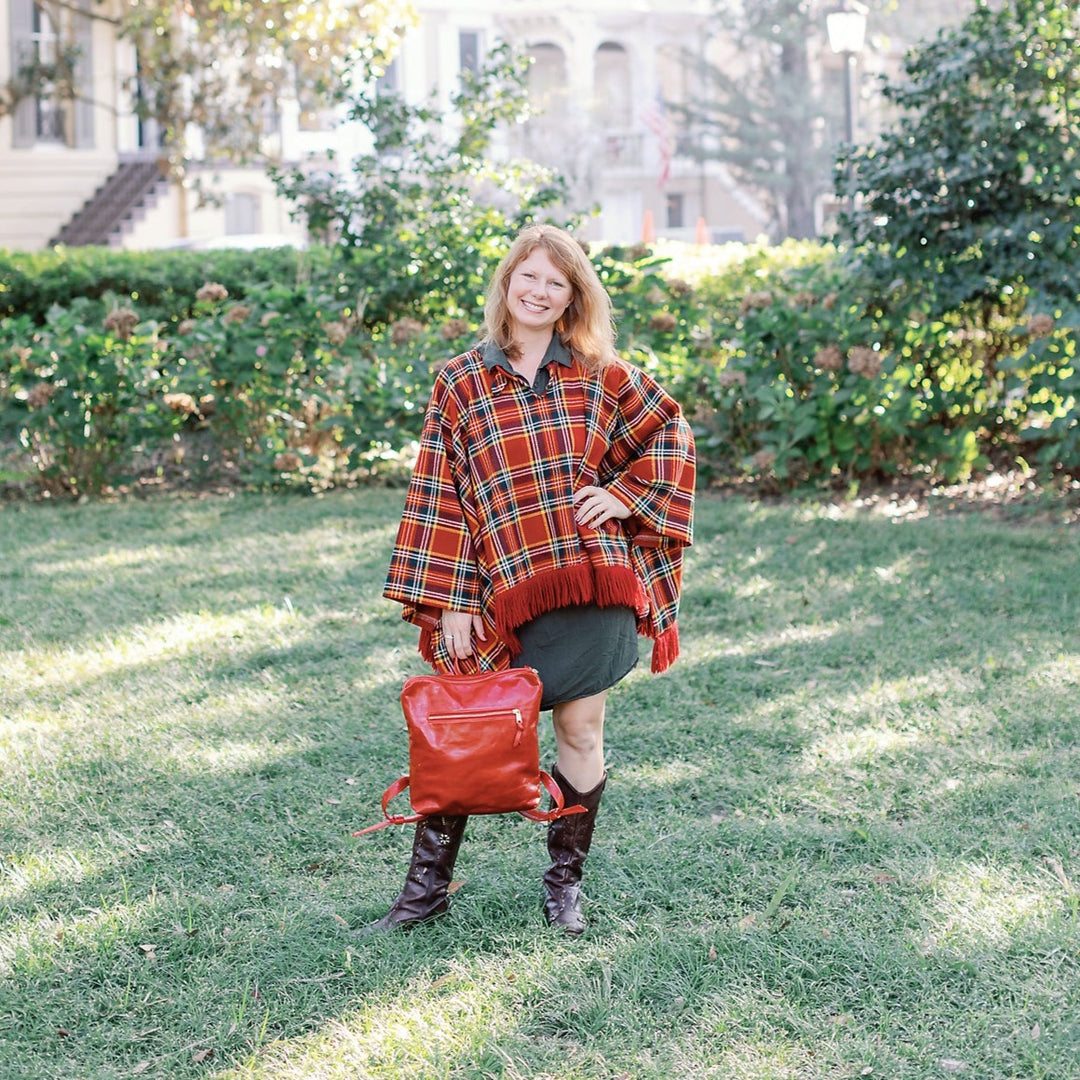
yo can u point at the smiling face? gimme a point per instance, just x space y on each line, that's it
537 293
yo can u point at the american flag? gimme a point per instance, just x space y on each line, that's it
656 120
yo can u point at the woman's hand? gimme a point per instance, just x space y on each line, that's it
595 505
458 628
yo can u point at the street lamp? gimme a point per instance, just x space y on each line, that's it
847 35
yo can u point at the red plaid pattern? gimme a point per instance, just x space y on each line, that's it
488 525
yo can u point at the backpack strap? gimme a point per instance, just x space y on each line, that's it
395 789
560 809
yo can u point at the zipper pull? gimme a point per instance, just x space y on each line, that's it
520 721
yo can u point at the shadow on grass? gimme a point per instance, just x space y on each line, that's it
99 568
790 776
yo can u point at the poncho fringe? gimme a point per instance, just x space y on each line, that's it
611 587
606 586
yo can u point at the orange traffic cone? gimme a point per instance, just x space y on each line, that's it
702 236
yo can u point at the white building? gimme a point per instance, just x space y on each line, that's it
602 70
83 170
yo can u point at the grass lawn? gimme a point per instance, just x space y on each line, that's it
841 838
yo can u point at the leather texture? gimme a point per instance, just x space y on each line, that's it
425 893
473 748
473 745
568 842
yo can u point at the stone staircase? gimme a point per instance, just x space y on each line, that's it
113 204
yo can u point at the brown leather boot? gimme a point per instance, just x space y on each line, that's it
424 896
568 841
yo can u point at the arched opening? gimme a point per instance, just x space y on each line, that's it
614 105
548 80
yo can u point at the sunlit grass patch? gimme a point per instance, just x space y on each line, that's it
839 834
979 906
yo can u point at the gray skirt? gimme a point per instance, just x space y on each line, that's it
579 650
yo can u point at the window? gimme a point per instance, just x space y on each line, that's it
50 114
389 81
548 82
151 135
676 211
53 47
469 50
614 90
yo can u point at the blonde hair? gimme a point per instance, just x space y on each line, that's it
587 326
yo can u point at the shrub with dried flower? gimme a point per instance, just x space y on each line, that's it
122 322
238 313
864 361
77 402
792 375
829 358
212 292
405 330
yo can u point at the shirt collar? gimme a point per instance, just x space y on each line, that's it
494 357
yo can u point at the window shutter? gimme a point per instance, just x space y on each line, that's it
24 118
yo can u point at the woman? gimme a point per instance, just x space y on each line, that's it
544 525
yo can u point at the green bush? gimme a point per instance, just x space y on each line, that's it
973 192
161 283
80 396
791 367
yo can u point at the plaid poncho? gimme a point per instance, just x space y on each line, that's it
488 525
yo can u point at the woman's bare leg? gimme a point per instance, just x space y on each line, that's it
579 738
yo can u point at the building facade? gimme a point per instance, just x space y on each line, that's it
603 73
77 165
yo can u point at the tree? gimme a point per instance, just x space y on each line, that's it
974 194
421 219
762 117
221 66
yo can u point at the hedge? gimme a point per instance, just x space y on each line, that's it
257 368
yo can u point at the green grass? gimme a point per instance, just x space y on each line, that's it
840 837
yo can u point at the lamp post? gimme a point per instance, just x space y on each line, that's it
847 35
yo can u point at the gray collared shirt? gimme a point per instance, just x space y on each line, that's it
557 353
